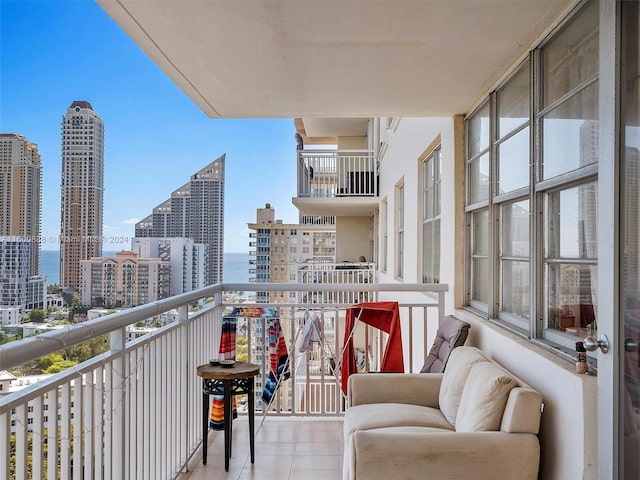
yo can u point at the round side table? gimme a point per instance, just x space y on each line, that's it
225 381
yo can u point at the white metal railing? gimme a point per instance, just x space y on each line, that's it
135 411
331 272
334 173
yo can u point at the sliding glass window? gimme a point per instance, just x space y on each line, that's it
531 197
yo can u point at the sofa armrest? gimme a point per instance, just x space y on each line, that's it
522 412
409 452
412 388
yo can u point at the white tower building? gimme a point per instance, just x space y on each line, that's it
188 260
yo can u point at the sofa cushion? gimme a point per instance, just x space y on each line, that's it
451 333
484 398
381 415
461 360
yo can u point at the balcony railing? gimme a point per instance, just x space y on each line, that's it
135 411
337 173
331 273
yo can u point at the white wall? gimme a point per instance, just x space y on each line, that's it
406 145
568 430
352 238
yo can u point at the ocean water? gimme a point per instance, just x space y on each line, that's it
235 267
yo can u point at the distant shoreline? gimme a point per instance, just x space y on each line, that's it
235 266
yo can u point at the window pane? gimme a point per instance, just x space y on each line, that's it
570 134
436 251
572 295
480 275
428 172
431 252
572 56
427 197
479 259
513 103
572 222
479 179
427 252
400 259
481 232
431 224
515 288
479 131
515 229
513 162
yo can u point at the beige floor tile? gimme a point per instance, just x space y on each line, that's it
279 448
315 475
318 449
316 462
215 472
319 436
258 473
321 425
272 461
280 436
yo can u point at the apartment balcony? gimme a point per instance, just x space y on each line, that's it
337 182
136 410
321 272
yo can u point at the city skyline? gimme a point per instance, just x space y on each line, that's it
153 132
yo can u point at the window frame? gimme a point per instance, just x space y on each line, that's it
384 218
399 229
537 192
430 248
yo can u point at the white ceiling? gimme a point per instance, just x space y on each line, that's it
334 58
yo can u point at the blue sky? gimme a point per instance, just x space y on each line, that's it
55 52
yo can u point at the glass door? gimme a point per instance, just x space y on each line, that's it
628 372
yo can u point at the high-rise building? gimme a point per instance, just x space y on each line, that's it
189 262
195 211
81 190
281 248
20 193
124 281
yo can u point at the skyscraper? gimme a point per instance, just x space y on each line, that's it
81 190
282 249
20 193
196 211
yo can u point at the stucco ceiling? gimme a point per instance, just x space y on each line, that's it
334 58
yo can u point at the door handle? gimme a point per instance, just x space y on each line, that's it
592 344
630 345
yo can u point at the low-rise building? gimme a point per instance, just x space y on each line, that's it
9 315
36 293
124 281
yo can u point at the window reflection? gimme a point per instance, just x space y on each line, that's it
572 235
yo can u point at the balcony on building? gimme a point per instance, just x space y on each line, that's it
326 271
337 170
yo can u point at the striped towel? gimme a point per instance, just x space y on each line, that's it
227 352
228 339
278 361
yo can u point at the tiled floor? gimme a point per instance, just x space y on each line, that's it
285 448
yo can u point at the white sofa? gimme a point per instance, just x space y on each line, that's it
475 420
